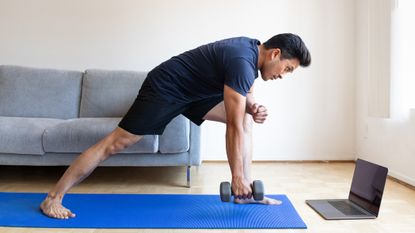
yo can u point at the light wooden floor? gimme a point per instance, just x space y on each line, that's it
299 181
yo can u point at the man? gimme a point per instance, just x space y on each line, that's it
212 82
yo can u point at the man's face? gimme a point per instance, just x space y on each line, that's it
275 68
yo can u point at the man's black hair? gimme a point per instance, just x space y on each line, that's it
292 46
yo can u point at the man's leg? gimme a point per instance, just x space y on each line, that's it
218 113
116 141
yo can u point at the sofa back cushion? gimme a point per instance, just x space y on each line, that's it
109 93
33 92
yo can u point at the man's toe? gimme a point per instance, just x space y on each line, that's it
51 213
67 214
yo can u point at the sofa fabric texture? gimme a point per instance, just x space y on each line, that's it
58 114
109 93
29 92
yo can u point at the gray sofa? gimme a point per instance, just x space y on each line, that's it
48 117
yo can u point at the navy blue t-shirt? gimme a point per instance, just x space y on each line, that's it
202 72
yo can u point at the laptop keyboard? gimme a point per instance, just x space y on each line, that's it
346 208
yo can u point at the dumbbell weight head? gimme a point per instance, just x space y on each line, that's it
225 191
258 190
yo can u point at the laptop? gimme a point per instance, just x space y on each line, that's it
365 195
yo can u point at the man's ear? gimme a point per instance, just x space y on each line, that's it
275 53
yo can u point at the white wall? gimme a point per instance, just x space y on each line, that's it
311 112
387 141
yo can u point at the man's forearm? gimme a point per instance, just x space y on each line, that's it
234 148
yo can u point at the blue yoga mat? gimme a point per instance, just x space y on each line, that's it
148 211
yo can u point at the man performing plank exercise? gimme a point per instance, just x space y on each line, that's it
212 82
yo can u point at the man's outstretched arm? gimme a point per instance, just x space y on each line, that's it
235 106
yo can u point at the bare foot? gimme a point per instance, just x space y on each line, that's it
266 201
54 209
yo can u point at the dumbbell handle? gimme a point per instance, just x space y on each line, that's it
252 188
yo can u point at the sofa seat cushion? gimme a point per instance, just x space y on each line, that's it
20 135
77 135
176 136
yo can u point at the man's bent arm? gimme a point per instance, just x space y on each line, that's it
250 100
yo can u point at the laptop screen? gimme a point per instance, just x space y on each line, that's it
367 185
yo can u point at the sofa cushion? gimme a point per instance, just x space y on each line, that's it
31 92
109 93
175 138
77 135
20 135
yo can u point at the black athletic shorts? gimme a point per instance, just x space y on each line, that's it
150 113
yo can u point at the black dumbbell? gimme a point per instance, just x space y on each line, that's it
257 191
